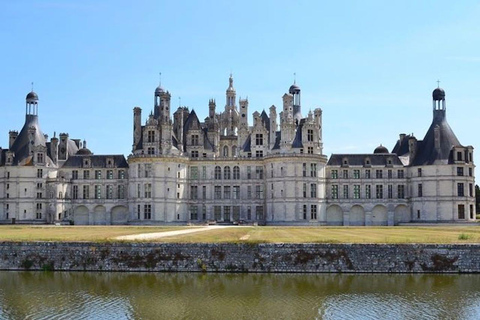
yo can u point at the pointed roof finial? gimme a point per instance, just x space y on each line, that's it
179 102
32 86
159 79
294 78
438 83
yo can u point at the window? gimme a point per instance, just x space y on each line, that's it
75 192
459 171
249 172
109 192
313 190
217 192
98 191
226 173
345 174
309 135
193 212
195 140
313 169
151 136
249 192
367 174
368 191
204 212
236 192
98 174
313 211
139 191
217 212
420 190
461 211
121 192
138 212
470 172
194 173
470 190
419 172
356 191
400 174
379 191
226 192
259 139
304 169
204 172
121 174
148 190
109 174
236 173
147 211
334 174
460 190
401 191
150 150
75 174
356 174
148 169
379 174
335 191
259 172
39 173
40 157
86 192
258 192
389 191
39 195
204 192
304 190
310 150
345 191
194 154
259 212
305 212
258 153
218 173
459 156
389 174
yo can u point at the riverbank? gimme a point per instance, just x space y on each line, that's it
243 257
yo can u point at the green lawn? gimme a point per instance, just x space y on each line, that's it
248 234
73 233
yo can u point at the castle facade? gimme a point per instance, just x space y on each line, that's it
273 171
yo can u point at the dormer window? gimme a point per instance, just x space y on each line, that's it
367 162
86 163
40 158
109 162
344 162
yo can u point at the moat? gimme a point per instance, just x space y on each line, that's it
81 295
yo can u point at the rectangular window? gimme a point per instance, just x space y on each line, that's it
461 211
304 190
259 212
86 192
138 212
420 190
313 190
109 174
249 172
151 136
194 192
148 169
139 191
75 174
147 211
226 192
75 192
305 212
109 192
195 140
98 192
368 191
470 190
40 157
379 191
98 174
121 192
194 154
400 174
258 192
121 174
249 192
335 191
258 153
39 173
419 172
310 135
39 195
334 174
401 191
367 174
204 212
470 172
459 171
379 174
460 190
356 174
310 150
459 156
204 172
204 192
390 191
356 191
236 173
345 191
345 174
259 172
389 174
259 139
304 169
236 192
217 192
194 173
217 213
313 212
193 212
313 169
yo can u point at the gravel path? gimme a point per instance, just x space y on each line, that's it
156 235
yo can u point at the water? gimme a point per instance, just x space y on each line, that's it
78 295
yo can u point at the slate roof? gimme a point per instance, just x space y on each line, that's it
97 161
297 142
20 146
379 159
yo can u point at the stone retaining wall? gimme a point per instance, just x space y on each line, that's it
81 256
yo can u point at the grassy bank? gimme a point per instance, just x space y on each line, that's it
247 234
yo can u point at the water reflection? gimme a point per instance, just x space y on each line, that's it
67 295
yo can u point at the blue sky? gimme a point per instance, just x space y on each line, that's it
370 65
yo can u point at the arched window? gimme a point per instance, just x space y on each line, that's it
218 173
234 151
226 173
236 173
225 151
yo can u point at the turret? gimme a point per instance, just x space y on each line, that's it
54 148
137 128
273 125
12 136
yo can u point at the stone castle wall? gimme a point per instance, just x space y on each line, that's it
155 257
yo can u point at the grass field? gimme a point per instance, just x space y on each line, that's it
247 234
